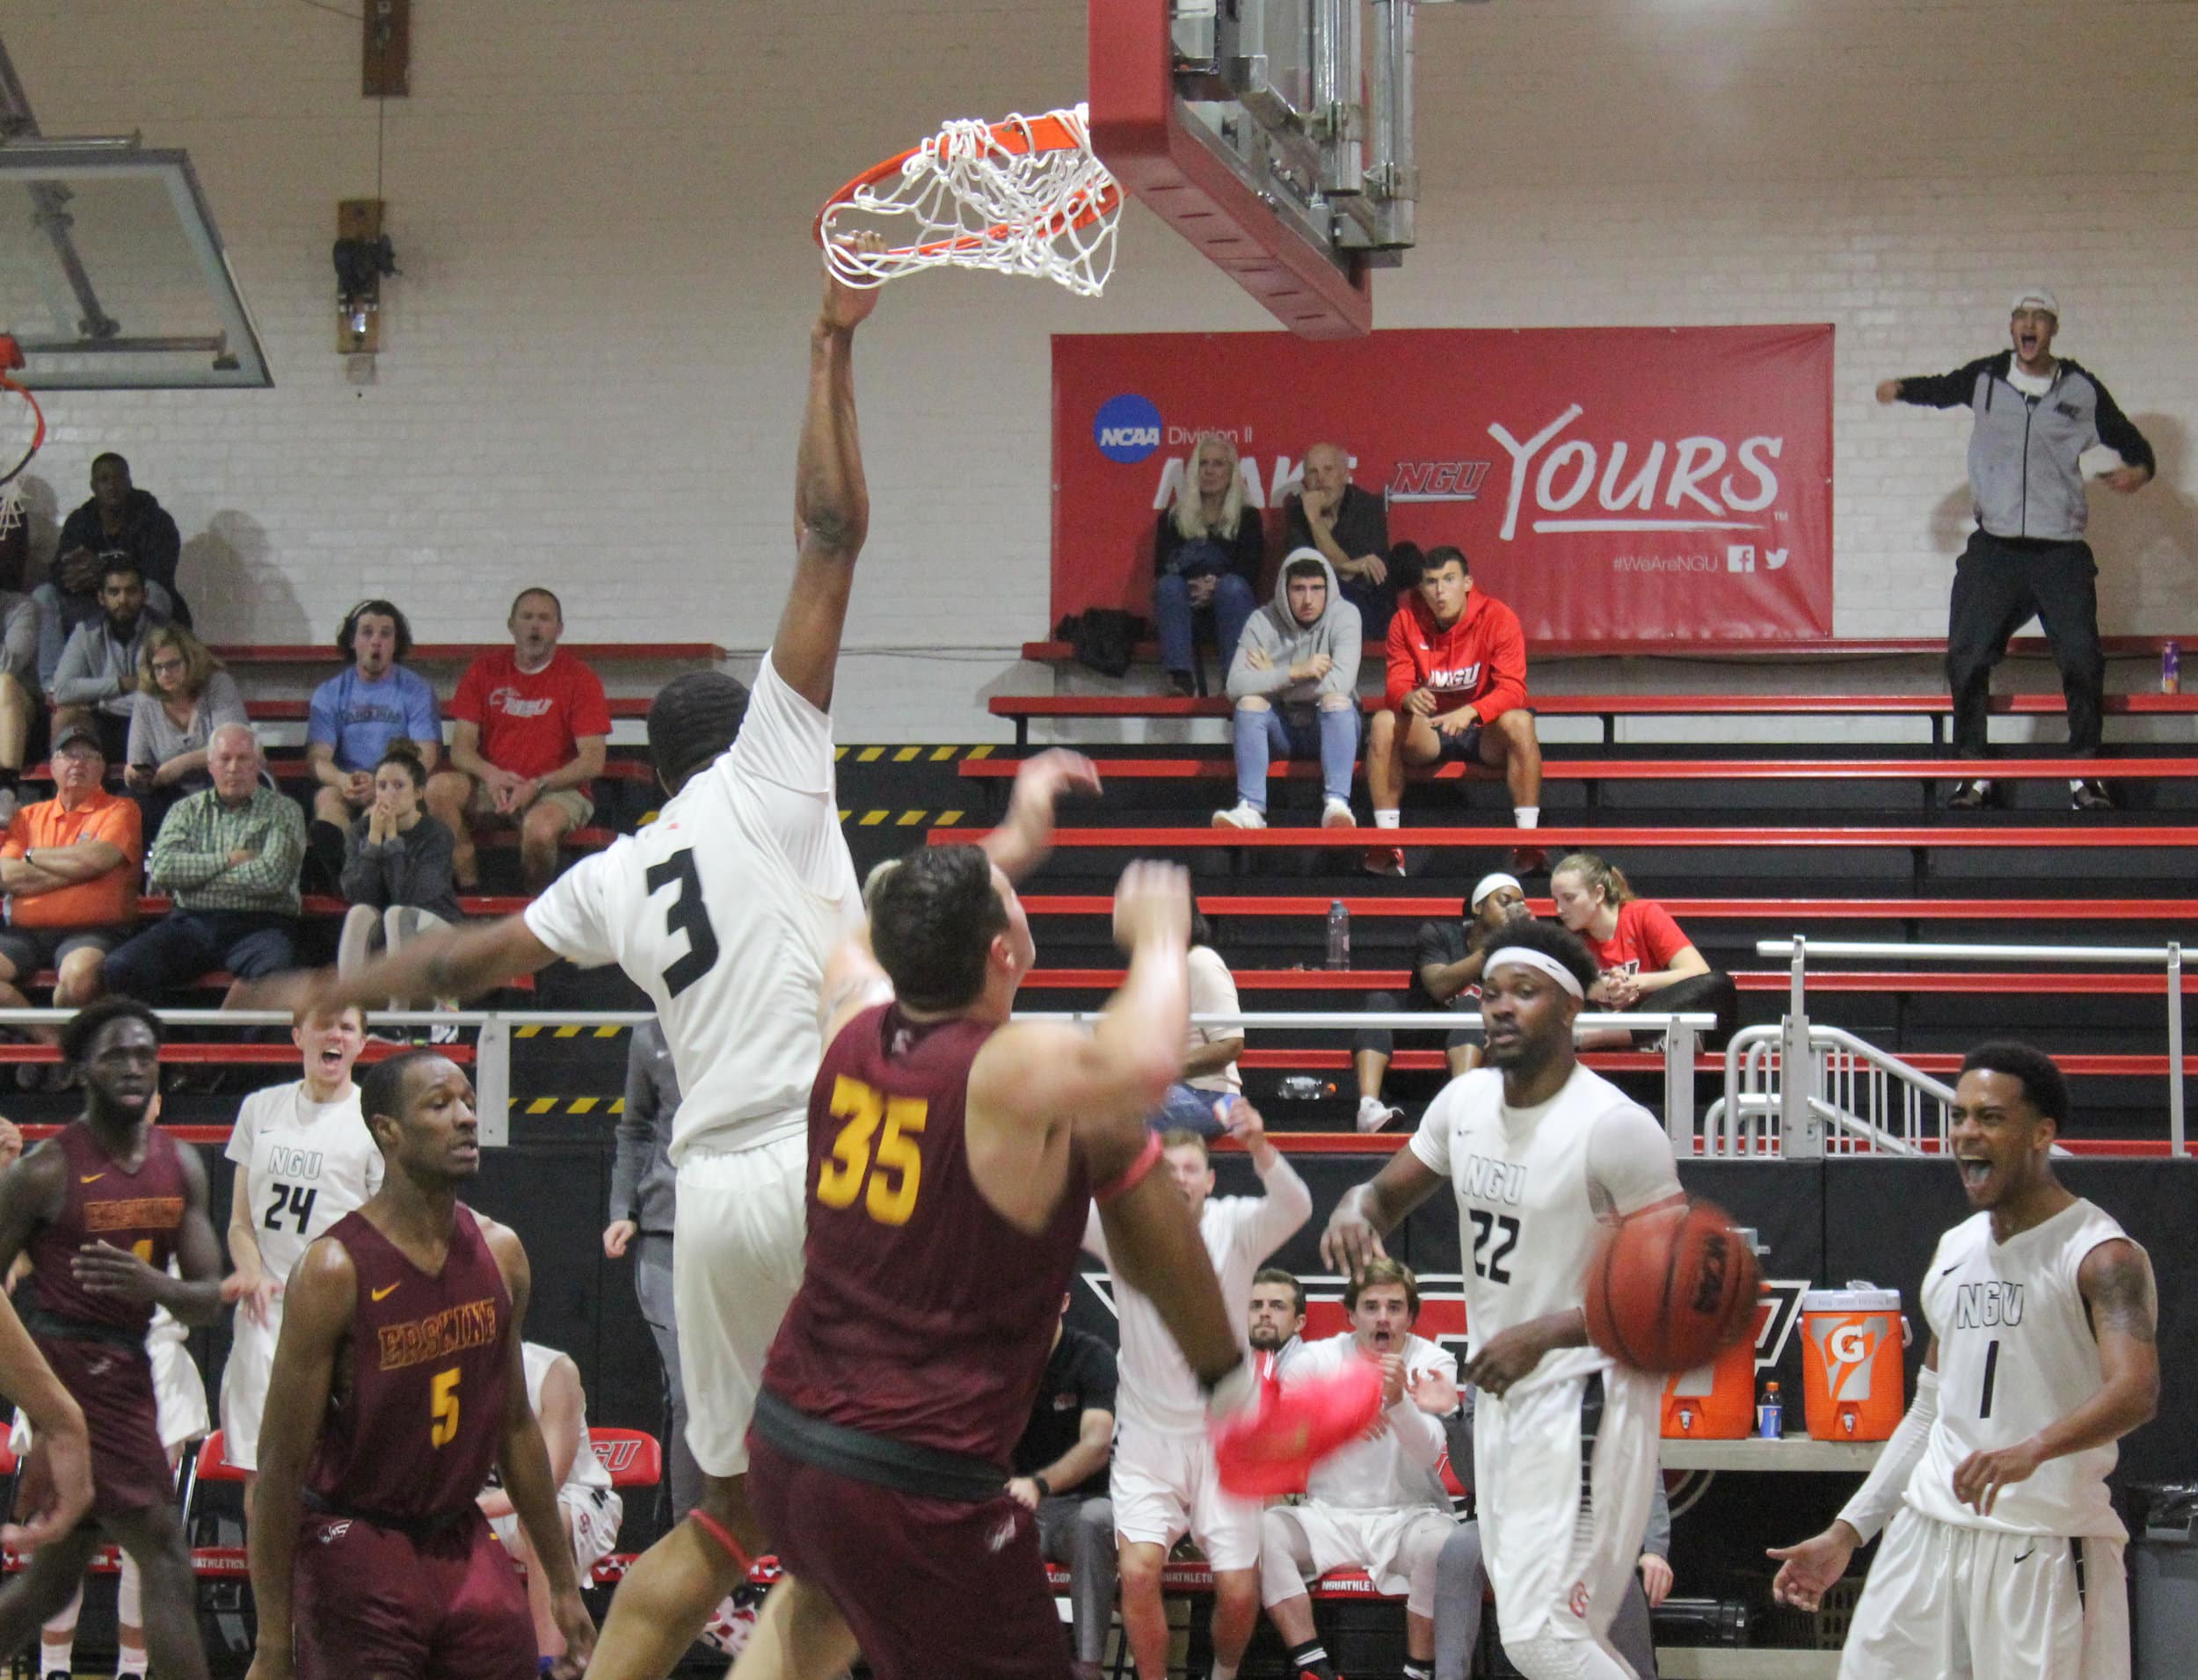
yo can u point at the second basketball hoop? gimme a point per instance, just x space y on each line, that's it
1024 195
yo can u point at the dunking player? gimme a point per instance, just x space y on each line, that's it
100 1210
1538 1149
725 911
951 1159
400 1371
2004 1558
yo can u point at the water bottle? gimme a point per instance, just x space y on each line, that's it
1303 1087
2171 669
1338 936
1770 1413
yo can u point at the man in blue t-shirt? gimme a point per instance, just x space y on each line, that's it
356 716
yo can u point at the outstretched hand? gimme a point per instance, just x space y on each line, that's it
847 307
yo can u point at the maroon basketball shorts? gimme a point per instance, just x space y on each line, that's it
445 1603
929 1587
113 1381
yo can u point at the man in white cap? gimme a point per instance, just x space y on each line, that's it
1445 975
1538 1152
2036 414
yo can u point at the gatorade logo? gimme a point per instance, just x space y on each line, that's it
1126 428
1848 1347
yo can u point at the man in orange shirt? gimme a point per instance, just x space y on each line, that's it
70 867
1457 688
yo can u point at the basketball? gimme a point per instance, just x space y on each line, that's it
1669 1288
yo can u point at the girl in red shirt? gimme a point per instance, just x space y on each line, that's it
1639 948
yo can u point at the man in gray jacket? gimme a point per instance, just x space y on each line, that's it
95 682
643 1192
2035 416
1295 681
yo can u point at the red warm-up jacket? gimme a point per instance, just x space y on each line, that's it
1479 661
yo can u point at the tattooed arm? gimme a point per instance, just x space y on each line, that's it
2116 1283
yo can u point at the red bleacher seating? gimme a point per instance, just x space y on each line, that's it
1554 769
1724 652
2048 909
1752 837
464 652
1771 980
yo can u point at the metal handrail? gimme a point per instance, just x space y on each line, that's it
2169 957
1748 1096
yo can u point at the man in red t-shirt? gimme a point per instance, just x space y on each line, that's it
527 730
1457 688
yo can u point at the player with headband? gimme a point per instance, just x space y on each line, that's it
1539 1151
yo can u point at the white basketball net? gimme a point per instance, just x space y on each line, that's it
11 508
965 199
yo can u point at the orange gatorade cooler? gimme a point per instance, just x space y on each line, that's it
1717 1401
1852 1385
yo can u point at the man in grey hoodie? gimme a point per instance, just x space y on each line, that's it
1295 682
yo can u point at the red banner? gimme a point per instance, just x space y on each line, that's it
1610 483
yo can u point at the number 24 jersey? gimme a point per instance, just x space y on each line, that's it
307 1164
725 911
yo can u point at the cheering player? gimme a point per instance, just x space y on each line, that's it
100 1210
403 1384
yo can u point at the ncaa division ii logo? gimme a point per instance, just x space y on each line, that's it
1126 428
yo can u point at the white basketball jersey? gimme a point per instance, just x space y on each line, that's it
1529 1203
309 1164
725 911
1157 1389
587 1470
1372 1472
2016 1352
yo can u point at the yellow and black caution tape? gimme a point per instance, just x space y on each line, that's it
606 1108
911 754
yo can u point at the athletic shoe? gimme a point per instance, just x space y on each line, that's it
1239 815
1970 795
1384 859
732 1624
1180 685
2090 795
1374 1115
1336 814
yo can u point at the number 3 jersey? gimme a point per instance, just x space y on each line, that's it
923 1316
1533 1185
2016 1352
307 1164
723 910
417 1411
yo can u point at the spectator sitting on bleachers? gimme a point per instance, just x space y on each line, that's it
1060 1475
1379 1504
96 681
1456 688
356 716
1205 559
1277 1319
20 690
229 857
1349 527
119 518
397 868
1210 1061
586 1502
1639 949
1446 961
1461 1578
528 728
1295 681
69 866
183 696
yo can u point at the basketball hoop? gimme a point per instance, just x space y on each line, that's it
20 442
1022 196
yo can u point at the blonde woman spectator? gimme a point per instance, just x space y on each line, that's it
1210 1064
1205 559
1641 953
183 696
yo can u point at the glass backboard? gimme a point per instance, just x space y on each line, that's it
112 274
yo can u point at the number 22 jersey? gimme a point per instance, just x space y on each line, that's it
725 911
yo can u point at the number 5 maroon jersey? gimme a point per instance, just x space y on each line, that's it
418 1412
923 1315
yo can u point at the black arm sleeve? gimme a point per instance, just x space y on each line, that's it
1945 390
2116 432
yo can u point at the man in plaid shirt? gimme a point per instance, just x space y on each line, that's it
229 857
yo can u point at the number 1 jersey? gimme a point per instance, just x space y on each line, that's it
307 1165
725 911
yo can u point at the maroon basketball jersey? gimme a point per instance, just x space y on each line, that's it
418 1412
138 1210
923 1316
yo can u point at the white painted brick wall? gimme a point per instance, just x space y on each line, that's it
595 354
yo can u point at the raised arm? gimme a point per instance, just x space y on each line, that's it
452 962
1025 838
831 502
316 1316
